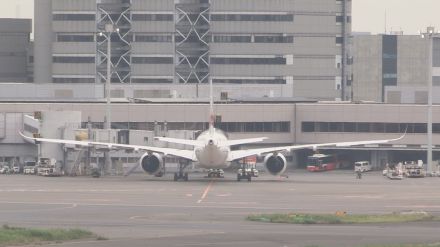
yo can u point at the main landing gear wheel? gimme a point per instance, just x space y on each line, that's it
181 175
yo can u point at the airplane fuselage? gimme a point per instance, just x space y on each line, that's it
212 155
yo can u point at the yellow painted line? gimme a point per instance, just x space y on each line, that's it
205 193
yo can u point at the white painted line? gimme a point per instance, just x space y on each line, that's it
153 205
206 191
413 206
224 195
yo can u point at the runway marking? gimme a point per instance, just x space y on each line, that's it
216 205
224 195
62 206
366 196
206 191
136 217
189 195
413 206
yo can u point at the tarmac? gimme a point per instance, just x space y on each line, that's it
141 210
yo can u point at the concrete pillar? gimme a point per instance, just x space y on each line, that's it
43 38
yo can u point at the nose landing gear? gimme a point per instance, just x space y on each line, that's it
216 173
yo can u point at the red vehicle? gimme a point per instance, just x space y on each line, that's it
324 162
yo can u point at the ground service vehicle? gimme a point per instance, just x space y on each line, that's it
325 162
362 166
48 167
414 170
5 170
15 169
30 167
395 171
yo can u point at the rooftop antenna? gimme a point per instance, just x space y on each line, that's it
385 21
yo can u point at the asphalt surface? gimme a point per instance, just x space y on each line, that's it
144 211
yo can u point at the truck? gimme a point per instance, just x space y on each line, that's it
49 167
413 169
248 168
30 167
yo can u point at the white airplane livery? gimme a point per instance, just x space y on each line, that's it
211 150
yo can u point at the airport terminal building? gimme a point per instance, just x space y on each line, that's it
284 123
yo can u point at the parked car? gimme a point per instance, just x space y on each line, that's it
362 166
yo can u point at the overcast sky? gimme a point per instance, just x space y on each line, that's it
409 16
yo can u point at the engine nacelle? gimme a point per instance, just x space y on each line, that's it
152 163
275 164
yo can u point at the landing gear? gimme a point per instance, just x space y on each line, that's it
216 173
181 175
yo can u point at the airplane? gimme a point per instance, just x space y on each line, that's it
211 150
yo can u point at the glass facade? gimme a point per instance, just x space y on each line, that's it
367 127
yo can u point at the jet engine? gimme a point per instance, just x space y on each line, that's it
275 163
152 163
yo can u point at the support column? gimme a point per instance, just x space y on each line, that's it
43 38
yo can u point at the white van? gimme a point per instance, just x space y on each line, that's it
362 166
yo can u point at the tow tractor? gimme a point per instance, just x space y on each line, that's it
247 171
30 167
413 169
248 168
394 171
243 173
49 167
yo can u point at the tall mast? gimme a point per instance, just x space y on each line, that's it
211 107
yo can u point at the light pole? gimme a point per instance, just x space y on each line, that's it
430 34
108 30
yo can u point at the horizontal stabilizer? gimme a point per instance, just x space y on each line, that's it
229 143
194 143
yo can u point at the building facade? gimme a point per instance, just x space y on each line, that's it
293 47
15 50
395 68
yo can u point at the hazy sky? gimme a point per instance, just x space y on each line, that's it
409 16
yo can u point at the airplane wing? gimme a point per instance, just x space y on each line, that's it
187 154
194 143
239 154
